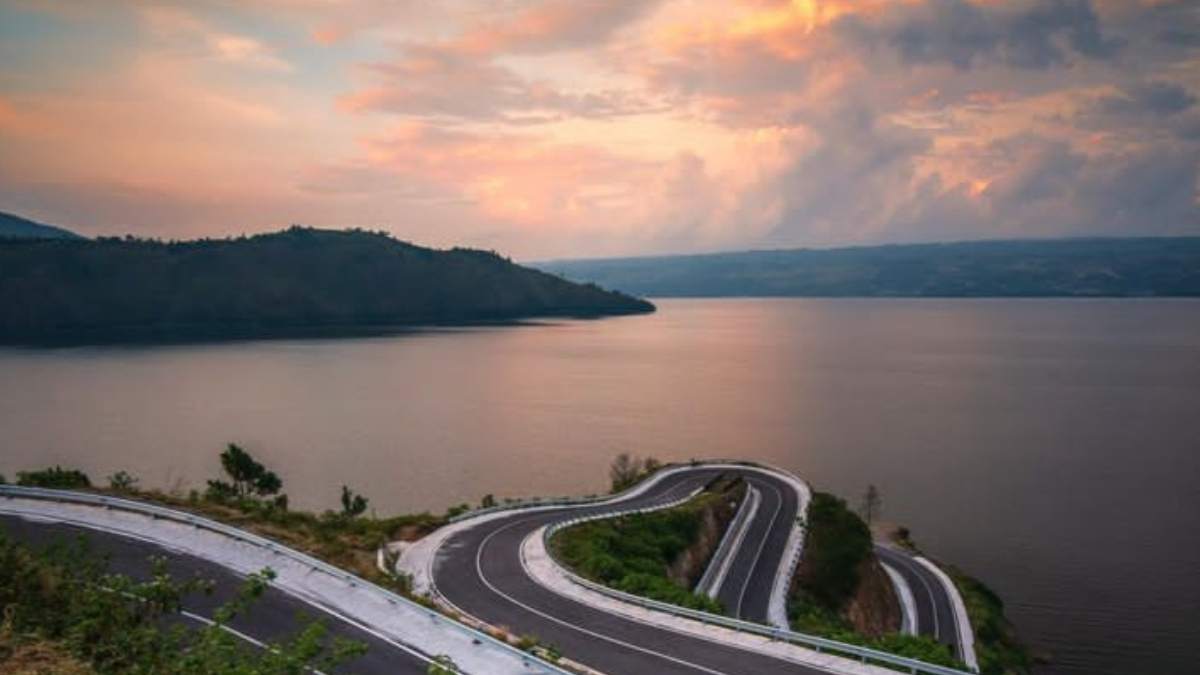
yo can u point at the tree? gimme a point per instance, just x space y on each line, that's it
627 470
623 471
488 501
352 504
250 478
872 504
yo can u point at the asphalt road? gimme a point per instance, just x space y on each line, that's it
935 612
273 617
479 570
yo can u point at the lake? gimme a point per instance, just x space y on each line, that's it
1049 447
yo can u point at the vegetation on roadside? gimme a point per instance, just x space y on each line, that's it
54 477
634 553
997 647
627 471
64 612
837 549
249 496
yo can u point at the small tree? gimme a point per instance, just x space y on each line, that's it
872 504
122 481
627 470
488 501
623 471
250 478
352 504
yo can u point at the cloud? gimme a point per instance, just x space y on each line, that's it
436 80
1156 98
592 127
963 34
183 32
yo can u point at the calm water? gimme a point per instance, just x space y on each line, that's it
1051 447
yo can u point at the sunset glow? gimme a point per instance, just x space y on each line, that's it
557 128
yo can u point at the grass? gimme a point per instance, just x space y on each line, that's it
348 543
815 620
996 644
64 611
837 543
633 553
33 656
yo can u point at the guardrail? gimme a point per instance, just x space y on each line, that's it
159 512
524 503
820 644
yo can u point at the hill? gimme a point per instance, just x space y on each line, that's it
300 281
1030 268
12 226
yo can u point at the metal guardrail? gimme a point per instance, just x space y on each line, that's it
819 644
155 511
528 502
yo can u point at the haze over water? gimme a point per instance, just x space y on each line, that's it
1049 447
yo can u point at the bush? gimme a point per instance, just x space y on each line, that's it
1000 651
119 625
632 553
836 545
54 477
627 471
122 481
353 505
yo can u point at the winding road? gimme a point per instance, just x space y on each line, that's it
935 615
480 572
491 567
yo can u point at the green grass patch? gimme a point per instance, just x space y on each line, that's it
62 601
815 620
633 553
837 543
997 647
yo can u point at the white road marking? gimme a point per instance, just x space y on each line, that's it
617 641
761 545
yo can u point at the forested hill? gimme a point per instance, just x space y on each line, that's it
1030 268
300 281
12 226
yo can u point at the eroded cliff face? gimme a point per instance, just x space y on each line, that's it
689 565
874 609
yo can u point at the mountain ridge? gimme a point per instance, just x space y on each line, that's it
293 282
13 226
1079 267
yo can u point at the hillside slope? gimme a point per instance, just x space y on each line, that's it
297 281
1064 267
12 226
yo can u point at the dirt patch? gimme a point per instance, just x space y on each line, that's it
39 657
874 609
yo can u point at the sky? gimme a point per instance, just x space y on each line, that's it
588 128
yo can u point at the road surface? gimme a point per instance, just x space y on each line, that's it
273 617
479 570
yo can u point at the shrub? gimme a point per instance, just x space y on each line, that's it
122 481
54 477
250 478
352 504
66 596
837 543
627 471
442 665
